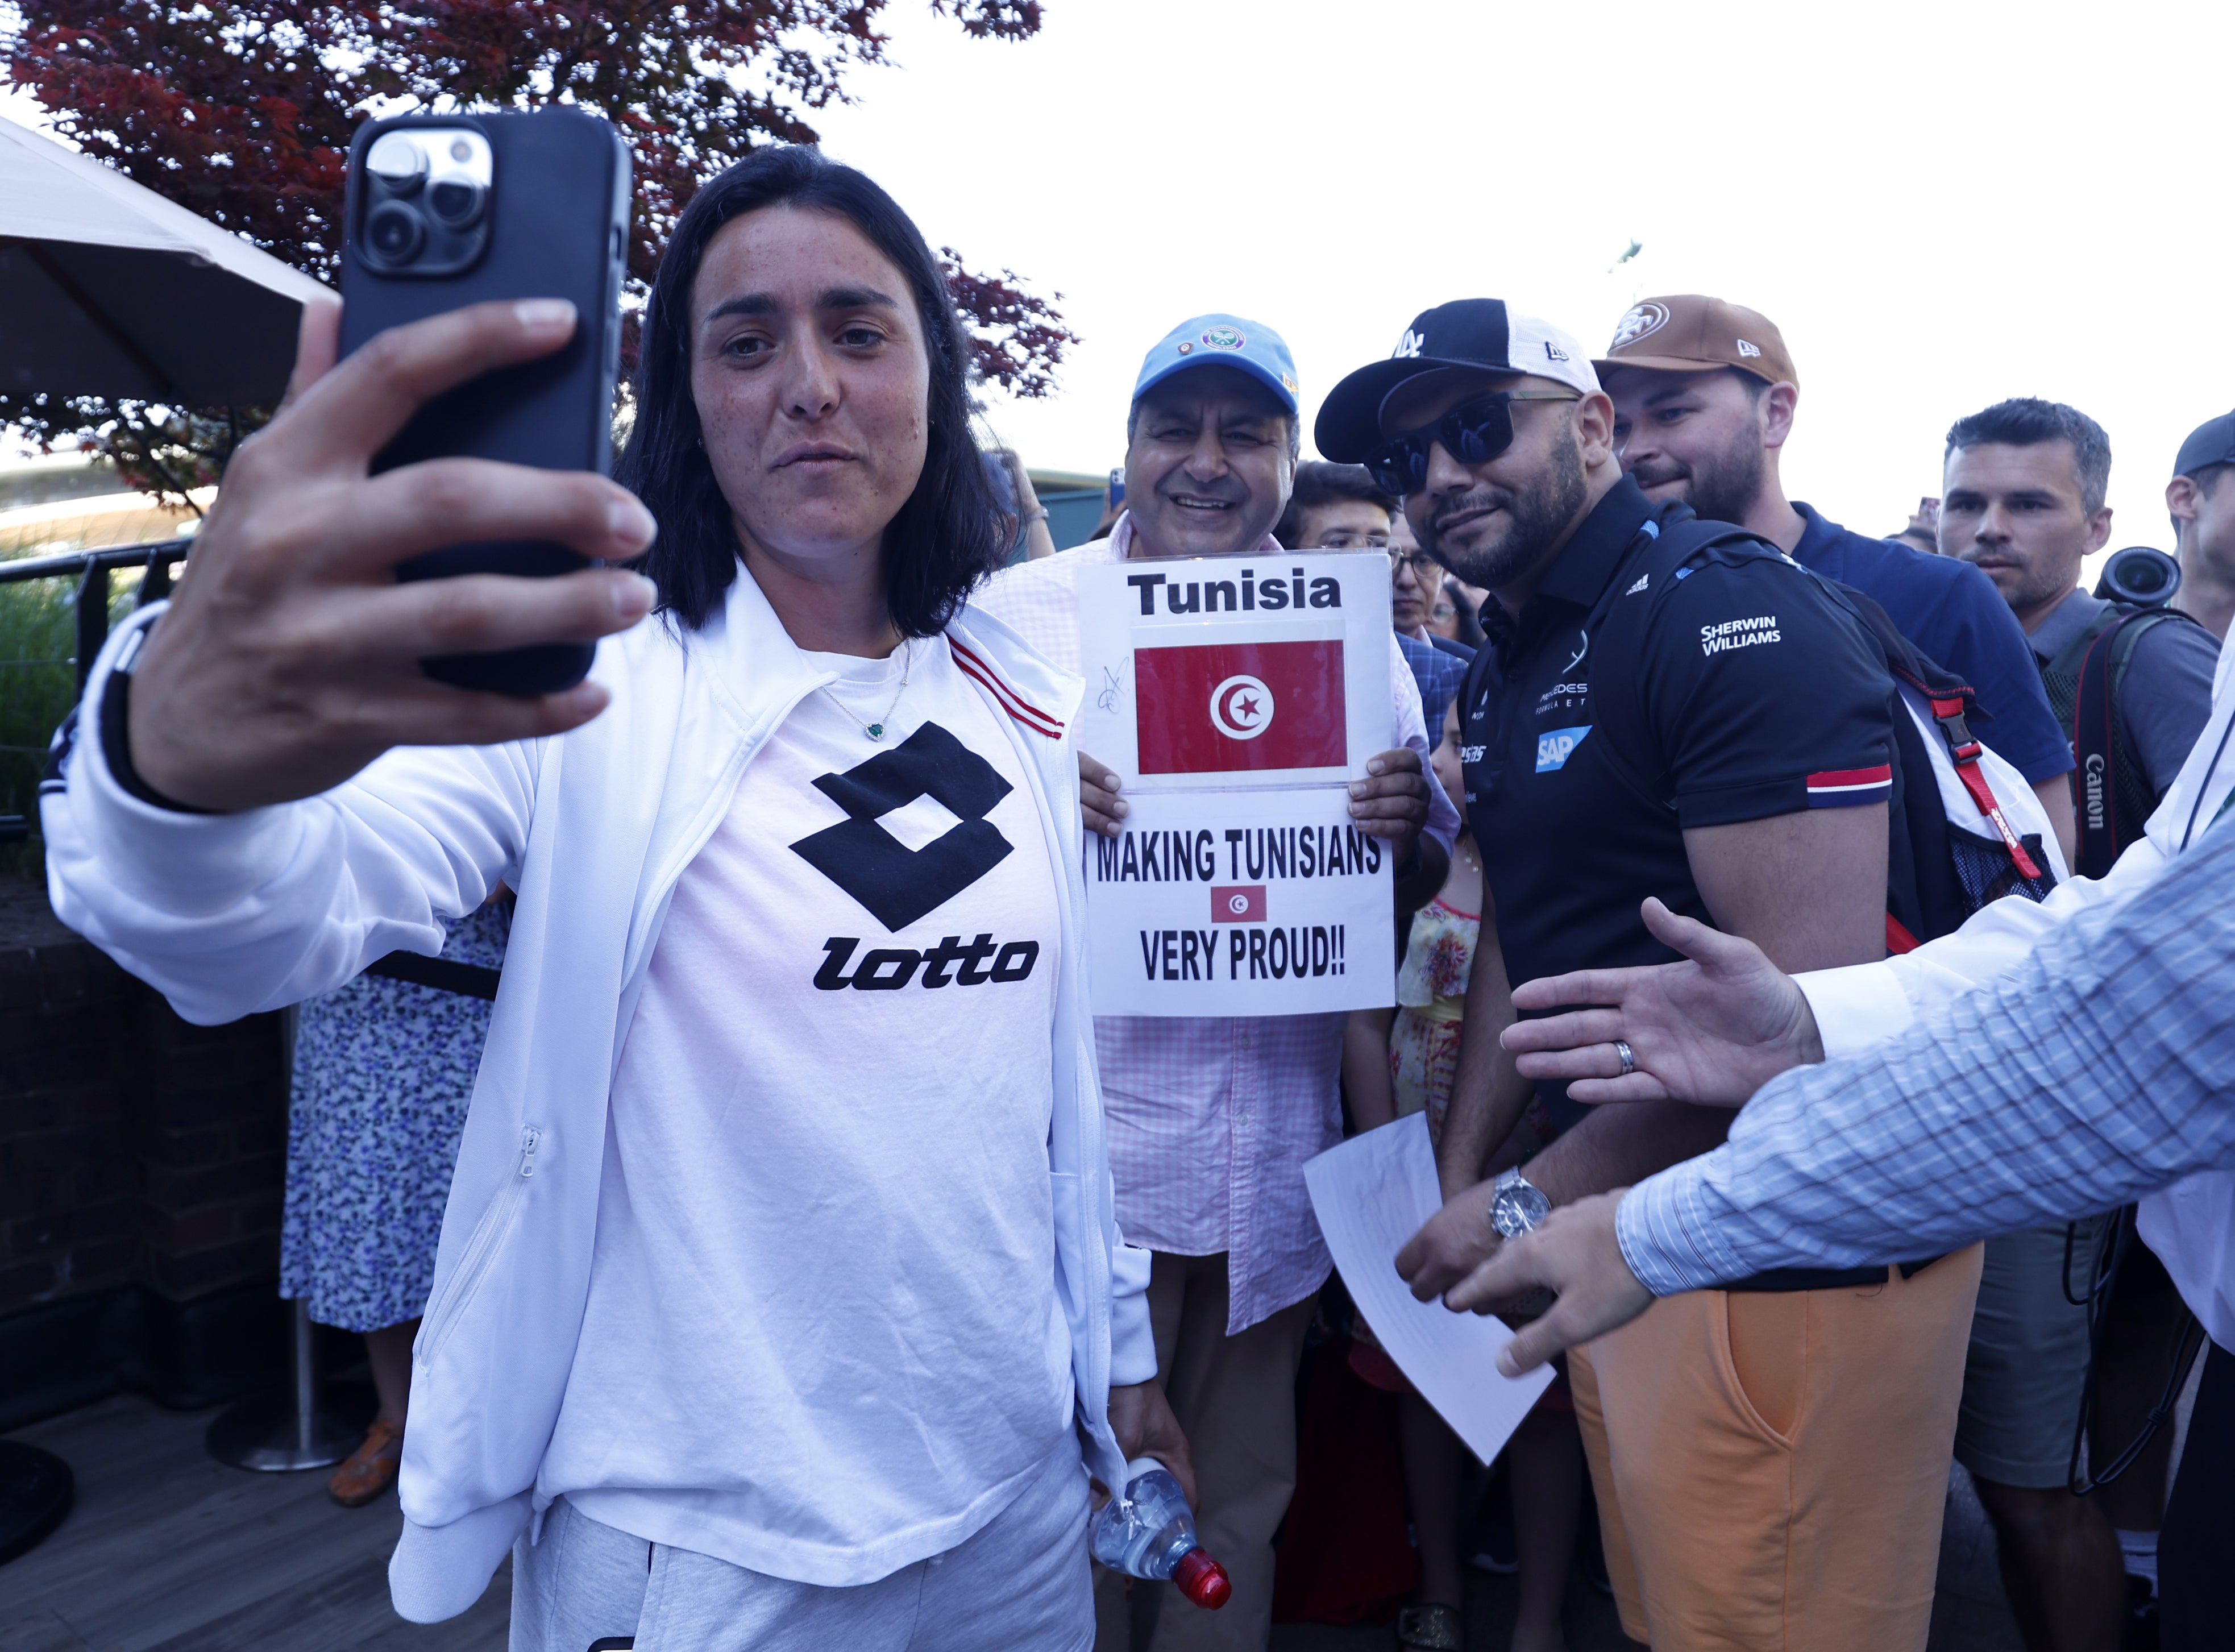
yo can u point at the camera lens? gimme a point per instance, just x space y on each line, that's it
2141 575
394 232
456 204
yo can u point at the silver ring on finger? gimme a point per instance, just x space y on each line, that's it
1628 1056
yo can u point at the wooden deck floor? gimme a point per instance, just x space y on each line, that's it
169 1550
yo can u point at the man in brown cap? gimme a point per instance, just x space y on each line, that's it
1704 393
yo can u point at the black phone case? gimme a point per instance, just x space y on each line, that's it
558 228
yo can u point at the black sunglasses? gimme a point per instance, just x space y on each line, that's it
1473 433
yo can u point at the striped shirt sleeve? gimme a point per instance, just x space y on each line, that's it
2100 1068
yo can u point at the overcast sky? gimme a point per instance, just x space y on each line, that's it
1940 205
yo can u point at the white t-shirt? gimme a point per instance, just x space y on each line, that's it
822 1338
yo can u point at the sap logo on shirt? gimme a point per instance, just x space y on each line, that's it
1556 746
895 883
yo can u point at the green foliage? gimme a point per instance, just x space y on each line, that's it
39 683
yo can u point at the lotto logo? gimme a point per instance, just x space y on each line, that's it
1243 903
1556 746
896 882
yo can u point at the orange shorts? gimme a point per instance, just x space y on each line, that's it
1770 1467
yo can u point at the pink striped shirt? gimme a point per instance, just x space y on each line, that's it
1211 1118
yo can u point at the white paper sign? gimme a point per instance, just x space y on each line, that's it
1237 698
1236 671
1240 903
1370 1195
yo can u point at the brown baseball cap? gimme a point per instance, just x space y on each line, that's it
1686 333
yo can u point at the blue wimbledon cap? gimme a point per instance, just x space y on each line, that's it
1222 341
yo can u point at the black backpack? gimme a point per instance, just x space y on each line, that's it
1950 850
2112 798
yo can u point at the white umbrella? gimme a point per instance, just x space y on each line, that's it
107 289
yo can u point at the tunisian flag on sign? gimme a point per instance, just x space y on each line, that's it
1215 708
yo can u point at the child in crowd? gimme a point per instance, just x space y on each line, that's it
1403 1061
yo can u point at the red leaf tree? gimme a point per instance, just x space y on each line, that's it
242 111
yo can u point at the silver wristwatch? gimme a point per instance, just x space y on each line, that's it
1518 1206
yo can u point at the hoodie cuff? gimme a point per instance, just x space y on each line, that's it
1132 1340
187 864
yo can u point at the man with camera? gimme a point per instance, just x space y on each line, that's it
2022 500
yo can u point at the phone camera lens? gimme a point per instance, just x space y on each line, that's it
456 204
394 232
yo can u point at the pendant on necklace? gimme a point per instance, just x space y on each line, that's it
875 730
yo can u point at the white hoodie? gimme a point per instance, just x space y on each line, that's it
230 914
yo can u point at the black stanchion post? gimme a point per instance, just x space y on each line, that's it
92 617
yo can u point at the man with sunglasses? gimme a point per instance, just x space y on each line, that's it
1714 729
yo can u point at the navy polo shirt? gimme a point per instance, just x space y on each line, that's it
1753 690
1954 616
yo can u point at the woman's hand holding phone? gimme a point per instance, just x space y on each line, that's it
290 656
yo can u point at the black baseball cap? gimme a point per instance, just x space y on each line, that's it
2211 442
1479 334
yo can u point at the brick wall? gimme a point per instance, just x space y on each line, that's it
142 1160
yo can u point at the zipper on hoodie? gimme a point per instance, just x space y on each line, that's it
489 1237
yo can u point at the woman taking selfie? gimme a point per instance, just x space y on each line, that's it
779 1301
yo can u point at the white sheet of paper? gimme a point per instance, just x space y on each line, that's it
1371 1195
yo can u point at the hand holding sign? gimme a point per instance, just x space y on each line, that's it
1098 800
1392 803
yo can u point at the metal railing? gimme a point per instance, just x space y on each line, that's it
93 570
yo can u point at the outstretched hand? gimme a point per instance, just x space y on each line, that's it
1573 1254
1711 1031
289 657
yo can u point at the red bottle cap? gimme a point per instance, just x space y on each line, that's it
1202 1580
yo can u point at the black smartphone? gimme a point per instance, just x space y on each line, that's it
449 210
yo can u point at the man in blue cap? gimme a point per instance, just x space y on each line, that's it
1211 1118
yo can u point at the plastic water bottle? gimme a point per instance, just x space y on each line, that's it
1150 1532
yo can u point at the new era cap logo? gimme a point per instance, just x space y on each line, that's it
1745 348
1407 346
1641 321
898 884
1553 352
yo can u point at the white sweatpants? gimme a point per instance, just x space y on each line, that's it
1022 1582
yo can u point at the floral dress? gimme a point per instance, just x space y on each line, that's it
384 1070
1431 983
